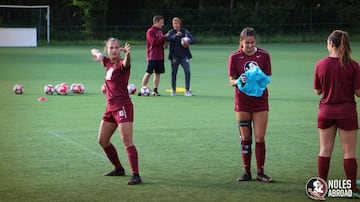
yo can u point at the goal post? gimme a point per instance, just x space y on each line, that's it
47 7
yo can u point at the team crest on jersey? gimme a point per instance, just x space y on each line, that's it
250 64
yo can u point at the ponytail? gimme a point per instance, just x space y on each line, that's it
340 39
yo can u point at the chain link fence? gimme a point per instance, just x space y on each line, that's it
216 25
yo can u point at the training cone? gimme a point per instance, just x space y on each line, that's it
42 99
178 90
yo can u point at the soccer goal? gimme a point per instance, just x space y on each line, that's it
22 25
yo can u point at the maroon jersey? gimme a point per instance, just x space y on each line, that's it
337 85
154 44
238 64
116 81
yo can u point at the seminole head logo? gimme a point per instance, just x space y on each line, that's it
316 188
250 64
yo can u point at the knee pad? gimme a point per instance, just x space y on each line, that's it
245 124
246 148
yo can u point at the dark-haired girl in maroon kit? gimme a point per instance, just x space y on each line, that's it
337 79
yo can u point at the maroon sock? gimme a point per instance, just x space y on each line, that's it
350 167
323 167
260 156
133 158
112 155
246 155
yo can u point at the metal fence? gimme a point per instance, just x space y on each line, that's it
216 25
227 33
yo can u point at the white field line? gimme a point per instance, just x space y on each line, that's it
58 135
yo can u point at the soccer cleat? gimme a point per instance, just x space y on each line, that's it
245 177
173 93
135 179
356 194
188 93
155 93
116 172
138 94
264 178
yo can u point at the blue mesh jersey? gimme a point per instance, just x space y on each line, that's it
239 63
256 82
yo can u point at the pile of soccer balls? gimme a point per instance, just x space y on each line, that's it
63 89
76 88
59 89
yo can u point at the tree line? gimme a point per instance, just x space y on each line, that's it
204 15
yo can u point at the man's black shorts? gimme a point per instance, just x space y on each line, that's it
155 65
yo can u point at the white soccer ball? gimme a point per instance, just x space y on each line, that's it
77 88
49 89
81 88
18 89
72 87
185 41
131 88
145 91
61 89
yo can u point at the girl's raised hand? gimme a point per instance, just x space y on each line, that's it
126 48
97 55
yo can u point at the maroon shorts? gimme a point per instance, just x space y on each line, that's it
350 123
122 115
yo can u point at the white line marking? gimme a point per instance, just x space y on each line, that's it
75 143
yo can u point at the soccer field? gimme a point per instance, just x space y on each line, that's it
188 147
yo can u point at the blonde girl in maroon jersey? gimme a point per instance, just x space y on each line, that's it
119 112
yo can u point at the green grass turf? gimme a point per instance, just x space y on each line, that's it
188 146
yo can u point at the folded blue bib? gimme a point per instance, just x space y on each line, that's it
256 82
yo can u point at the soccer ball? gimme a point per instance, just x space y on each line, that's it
145 91
185 41
103 88
131 88
49 89
81 88
61 89
77 88
18 89
72 87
